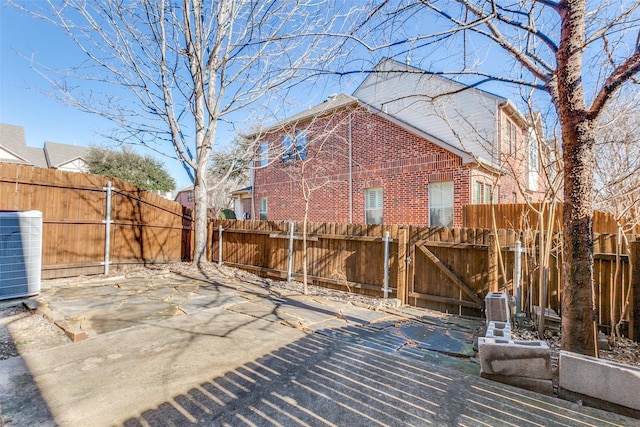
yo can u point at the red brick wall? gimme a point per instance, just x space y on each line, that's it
515 165
384 155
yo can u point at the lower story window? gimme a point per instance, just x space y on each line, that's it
373 205
483 193
441 204
263 209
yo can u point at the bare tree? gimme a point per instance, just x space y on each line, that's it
229 171
308 149
546 45
618 187
173 71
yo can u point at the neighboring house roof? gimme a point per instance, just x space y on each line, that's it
462 116
242 191
14 149
337 102
331 104
59 155
459 118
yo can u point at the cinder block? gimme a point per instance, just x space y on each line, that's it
601 379
533 384
529 359
500 330
497 307
504 334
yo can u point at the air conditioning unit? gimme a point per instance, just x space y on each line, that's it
20 253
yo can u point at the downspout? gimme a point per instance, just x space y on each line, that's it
350 170
252 179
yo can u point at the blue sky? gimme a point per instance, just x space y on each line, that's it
23 92
24 98
24 102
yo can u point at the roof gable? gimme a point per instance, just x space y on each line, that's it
461 116
12 140
61 154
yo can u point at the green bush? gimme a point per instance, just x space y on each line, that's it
226 214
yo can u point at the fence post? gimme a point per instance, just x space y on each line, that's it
401 291
492 268
219 245
634 319
517 276
107 230
386 240
290 258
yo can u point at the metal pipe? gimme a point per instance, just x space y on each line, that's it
350 170
107 229
517 275
386 264
219 245
290 258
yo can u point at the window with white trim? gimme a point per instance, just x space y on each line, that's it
264 153
510 137
482 193
294 148
373 205
441 204
262 209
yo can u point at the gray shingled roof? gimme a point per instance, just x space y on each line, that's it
12 139
332 103
53 155
58 154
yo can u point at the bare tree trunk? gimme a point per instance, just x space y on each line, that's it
577 304
578 144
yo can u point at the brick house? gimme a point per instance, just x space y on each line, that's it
394 152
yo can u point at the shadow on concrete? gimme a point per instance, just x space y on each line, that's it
321 381
29 404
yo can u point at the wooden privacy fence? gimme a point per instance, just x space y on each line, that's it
522 216
143 227
446 269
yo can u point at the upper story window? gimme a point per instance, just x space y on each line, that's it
373 205
294 148
511 132
264 153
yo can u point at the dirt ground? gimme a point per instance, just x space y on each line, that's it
22 331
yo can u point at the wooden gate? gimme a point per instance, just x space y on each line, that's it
448 276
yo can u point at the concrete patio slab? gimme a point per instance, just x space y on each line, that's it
216 366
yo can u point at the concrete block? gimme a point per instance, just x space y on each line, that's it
497 307
601 379
498 333
529 359
532 384
500 330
